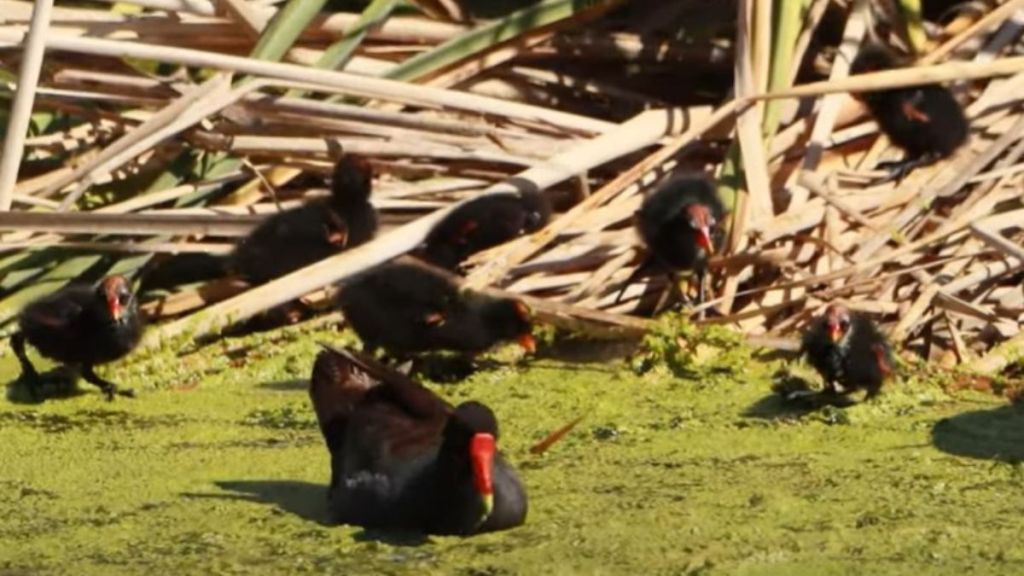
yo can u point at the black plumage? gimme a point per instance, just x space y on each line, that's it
925 121
848 350
403 458
483 223
298 237
679 225
408 309
80 326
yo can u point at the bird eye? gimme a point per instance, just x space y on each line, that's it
844 324
123 298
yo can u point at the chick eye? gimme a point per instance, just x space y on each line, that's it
123 298
844 324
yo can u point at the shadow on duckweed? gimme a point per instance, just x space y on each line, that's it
293 385
794 397
996 434
86 419
307 501
303 499
57 384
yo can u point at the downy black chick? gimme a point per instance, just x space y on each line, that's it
80 326
679 225
483 223
407 309
925 121
298 237
848 350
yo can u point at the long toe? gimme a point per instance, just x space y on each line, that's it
126 392
898 170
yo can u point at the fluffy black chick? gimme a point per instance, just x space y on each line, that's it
80 326
483 223
407 309
298 237
679 224
848 350
925 121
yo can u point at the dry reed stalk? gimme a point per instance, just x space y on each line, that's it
21 107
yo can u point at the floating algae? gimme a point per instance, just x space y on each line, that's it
218 468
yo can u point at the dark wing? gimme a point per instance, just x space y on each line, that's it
870 353
913 107
407 393
59 309
815 344
336 387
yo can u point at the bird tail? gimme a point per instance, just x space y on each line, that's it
336 385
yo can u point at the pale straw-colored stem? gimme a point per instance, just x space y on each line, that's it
21 108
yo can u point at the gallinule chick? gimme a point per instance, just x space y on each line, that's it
483 223
403 458
679 225
80 326
848 350
296 238
407 309
925 121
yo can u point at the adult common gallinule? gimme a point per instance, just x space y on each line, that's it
408 308
848 350
483 223
298 237
925 121
80 326
679 225
403 458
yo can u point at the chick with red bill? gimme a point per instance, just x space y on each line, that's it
925 121
408 309
80 326
679 224
848 351
295 238
483 223
403 458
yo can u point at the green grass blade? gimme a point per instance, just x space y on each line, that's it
484 37
915 25
788 18
338 54
285 28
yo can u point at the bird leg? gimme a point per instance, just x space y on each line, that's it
701 280
28 371
899 169
109 388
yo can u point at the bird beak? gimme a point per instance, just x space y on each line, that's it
115 307
835 333
481 455
528 343
704 240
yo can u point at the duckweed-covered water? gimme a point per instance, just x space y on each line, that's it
218 468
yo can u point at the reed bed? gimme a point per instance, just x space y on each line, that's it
161 127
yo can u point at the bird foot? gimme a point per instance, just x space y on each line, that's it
110 392
899 169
